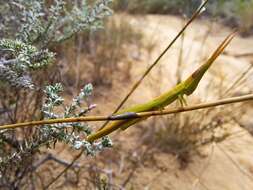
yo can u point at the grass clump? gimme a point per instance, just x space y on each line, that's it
114 50
182 135
103 53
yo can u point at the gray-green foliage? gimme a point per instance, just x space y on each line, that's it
29 28
60 132
18 59
20 158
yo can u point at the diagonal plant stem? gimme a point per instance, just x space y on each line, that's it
135 86
240 55
63 171
131 115
238 80
245 173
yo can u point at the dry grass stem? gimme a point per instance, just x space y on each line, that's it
132 115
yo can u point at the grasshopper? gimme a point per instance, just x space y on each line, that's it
186 87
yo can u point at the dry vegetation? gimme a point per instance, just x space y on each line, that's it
102 54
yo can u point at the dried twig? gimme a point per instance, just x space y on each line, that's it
245 173
65 169
132 115
53 158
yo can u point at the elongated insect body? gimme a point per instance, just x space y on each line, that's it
186 87
155 104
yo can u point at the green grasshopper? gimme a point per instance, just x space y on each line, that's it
186 87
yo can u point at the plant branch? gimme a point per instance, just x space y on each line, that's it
132 115
50 157
65 169
8 62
